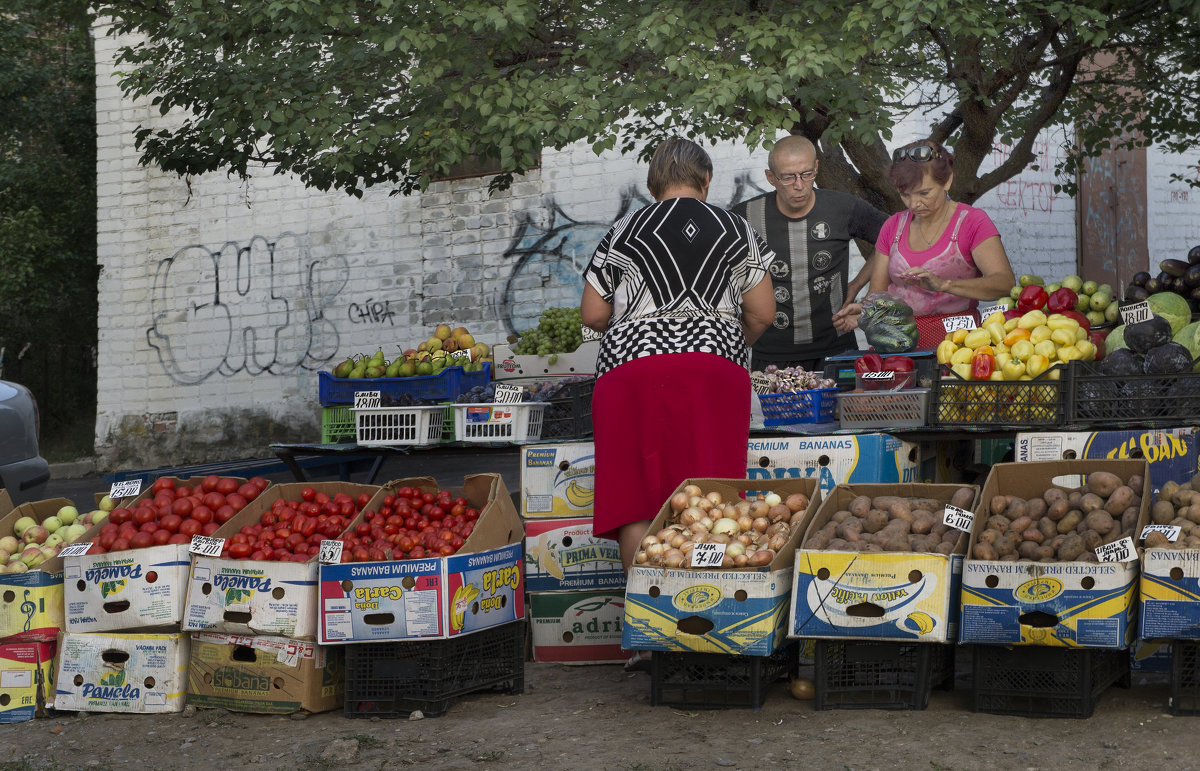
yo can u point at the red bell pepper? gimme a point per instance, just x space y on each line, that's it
904 368
1079 317
982 365
868 364
1060 300
1097 337
1013 313
1032 298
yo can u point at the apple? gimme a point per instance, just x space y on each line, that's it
17 567
54 539
32 556
23 524
35 535
52 524
73 532
98 516
67 515
10 544
108 504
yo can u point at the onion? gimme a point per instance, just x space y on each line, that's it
687 546
745 522
740 561
761 558
797 517
759 509
679 501
743 508
776 543
728 562
730 512
714 497
691 490
796 502
690 516
704 505
677 540
761 524
735 549
772 499
655 550
725 526
673 558
708 523
779 527
779 513
641 557
698 527
744 539
648 540
719 538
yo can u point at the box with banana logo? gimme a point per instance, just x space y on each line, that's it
480 587
835 460
138 673
577 627
263 674
736 610
900 596
562 555
557 479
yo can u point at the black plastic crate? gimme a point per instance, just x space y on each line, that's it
1035 681
972 403
1185 678
863 674
393 679
569 415
717 680
1108 400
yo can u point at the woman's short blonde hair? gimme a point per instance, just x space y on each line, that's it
678 161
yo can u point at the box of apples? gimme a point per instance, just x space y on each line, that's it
425 563
261 578
134 574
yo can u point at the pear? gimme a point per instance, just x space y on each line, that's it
434 344
393 369
407 369
358 372
442 332
343 369
374 371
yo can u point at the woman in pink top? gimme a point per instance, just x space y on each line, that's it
937 256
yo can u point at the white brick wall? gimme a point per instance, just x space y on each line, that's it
1173 208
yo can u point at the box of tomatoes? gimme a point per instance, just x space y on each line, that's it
134 574
265 580
424 564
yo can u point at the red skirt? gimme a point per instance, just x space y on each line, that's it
659 420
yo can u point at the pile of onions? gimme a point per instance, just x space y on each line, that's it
753 531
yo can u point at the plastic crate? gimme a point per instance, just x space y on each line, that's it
973 403
815 406
717 680
393 679
519 422
1035 681
859 674
841 367
1185 678
569 413
398 426
1109 400
443 386
337 425
883 409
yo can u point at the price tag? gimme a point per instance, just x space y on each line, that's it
1117 551
955 323
290 655
959 519
886 374
366 400
127 489
1170 531
206 545
331 552
708 555
589 334
760 382
75 549
1135 312
461 355
989 310
508 394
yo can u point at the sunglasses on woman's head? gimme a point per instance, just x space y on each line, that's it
919 153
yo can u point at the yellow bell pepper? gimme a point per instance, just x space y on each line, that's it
994 317
1015 335
1064 337
958 336
945 350
1031 320
1069 353
996 330
1087 350
1022 349
1010 325
1059 321
1080 334
1036 365
961 356
1013 369
1054 374
1038 334
962 369
997 375
1003 357
1046 348
977 338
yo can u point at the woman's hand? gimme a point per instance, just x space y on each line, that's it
846 319
924 279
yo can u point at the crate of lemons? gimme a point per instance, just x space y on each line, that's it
429 357
1025 347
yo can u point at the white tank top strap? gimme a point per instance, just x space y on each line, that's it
962 215
900 228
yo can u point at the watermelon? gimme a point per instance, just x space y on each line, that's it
1189 337
1171 307
1115 340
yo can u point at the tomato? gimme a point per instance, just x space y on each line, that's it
457 510
249 491
294 540
308 494
209 528
257 556
105 540
362 528
148 527
457 542
163 483
363 499
141 541
282 532
119 515
182 507
182 492
179 538
142 516
308 527
322 498
202 514
120 544
346 509
287 515
213 501
161 536
189 527
236 500
239 550
259 482
471 515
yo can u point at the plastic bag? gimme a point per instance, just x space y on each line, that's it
888 323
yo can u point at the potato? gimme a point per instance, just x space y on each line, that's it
952 535
1162 512
1102 483
944 547
1121 499
1053 495
1168 489
922 544
1045 553
1020 524
1070 521
989 536
1027 550
1058 509
940 528
897 526
1129 517
901 510
1032 534
921 513
923 525
1016 508
838 544
1073 498
860 506
818 542
1005 544
1048 527
876 520
1100 521
1011 557
1184 496
1090 502
897 542
1194 483
963 498
884 502
1156 539
1036 508
998 522
1092 539
998 504
1071 548
984 551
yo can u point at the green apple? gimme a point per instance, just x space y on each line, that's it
1083 303
52 524
1090 287
1100 301
107 504
54 539
1073 282
23 524
74 531
10 544
1015 292
1007 303
1028 278
67 514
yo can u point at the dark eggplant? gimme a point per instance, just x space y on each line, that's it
1164 278
1194 294
1153 286
1192 277
1178 285
1174 267
1136 293
1140 278
1194 255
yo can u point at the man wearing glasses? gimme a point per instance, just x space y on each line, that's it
809 231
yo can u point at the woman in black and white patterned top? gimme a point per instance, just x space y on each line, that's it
680 291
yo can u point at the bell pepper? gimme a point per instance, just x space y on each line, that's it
1036 365
1079 319
1032 298
962 369
945 350
1061 321
998 316
1012 313
1011 338
1087 350
962 356
868 364
1038 334
1022 349
1062 299
1031 319
996 330
1069 353
982 365
1046 348
1013 369
904 369
958 336
1097 337
977 338
1063 336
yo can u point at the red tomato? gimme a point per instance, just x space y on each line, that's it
363 499
287 515
223 514
259 482
148 527
182 492
209 483
143 515
209 528
119 515
106 540
236 500
189 527
108 527
179 538
249 491
294 540
141 541
182 507
308 494
120 544
321 498
258 556
239 550
227 485
202 514
213 501
161 536
163 483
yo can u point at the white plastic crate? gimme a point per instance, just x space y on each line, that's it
519 422
382 426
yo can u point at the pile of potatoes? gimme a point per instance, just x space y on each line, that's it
892 523
1177 504
1061 526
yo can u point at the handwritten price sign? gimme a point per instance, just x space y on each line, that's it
708 555
1117 551
959 519
955 323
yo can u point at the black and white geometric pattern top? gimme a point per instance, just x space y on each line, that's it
675 273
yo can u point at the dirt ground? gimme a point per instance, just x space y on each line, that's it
600 717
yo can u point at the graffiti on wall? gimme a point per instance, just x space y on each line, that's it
255 308
1029 196
548 260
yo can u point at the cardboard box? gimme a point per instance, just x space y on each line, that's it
1069 604
26 680
272 675
126 590
138 673
1173 453
557 480
1169 594
254 597
898 596
742 610
31 603
6 502
562 555
835 460
511 367
577 627
426 599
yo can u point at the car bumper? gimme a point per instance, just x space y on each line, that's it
25 480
